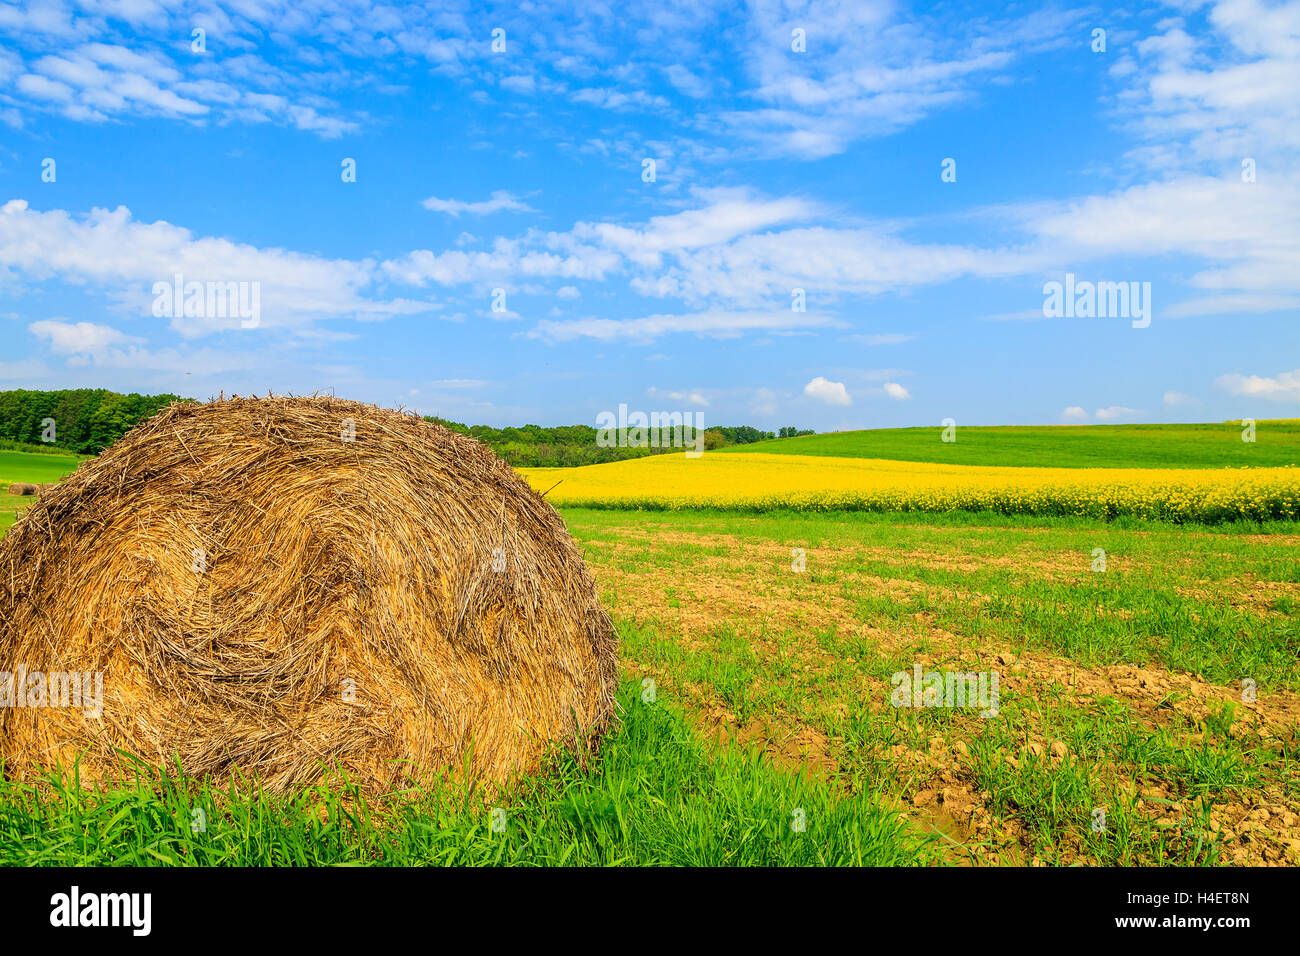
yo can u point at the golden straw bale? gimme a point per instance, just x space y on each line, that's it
22 488
284 584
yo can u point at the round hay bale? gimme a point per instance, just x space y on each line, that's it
22 488
282 585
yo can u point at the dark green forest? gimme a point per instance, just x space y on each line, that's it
85 420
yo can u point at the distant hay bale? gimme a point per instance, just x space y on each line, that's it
263 591
22 488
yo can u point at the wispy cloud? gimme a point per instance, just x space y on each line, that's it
500 201
1284 387
111 249
651 327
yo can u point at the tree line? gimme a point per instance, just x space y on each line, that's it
81 420
88 420
567 446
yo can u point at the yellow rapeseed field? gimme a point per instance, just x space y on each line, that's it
763 482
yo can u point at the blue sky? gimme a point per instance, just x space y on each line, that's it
523 170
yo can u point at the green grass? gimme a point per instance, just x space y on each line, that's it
1219 602
34 468
19 466
1177 597
1277 442
656 796
1195 600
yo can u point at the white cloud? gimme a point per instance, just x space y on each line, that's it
1250 232
537 256
754 268
592 251
1113 412
1231 305
685 81
1180 400
694 397
1223 91
738 250
111 249
871 68
725 215
500 201
459 383
647 328
1074 414
897 392
729 257
79 338
97 81
524 84
612 99
1284 387
832 393
90 344
44 88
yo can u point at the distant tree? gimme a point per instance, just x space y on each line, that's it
568 446
715 438
86 420
453 426
742 434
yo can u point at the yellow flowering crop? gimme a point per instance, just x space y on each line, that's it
763 482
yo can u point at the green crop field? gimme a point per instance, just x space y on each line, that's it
17 466
661 795
1157 692
1277 443
26 466
1121 684
758 726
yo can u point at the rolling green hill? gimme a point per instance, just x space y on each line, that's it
1277 442
32 468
